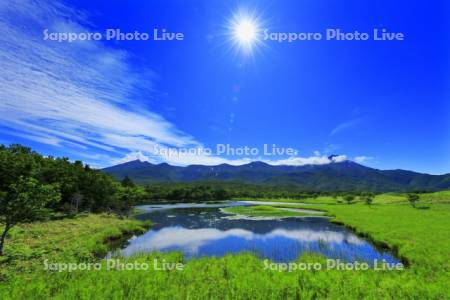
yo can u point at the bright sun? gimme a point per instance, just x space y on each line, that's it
245 31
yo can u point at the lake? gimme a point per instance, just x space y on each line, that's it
204 230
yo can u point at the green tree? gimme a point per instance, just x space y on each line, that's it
349 199
16 161
125 198
221 194
127 182
368 198
413 198
25 201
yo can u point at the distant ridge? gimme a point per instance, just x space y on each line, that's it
334 176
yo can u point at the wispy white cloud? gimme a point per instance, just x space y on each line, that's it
78 93
312 160
363 159
83 95
345 125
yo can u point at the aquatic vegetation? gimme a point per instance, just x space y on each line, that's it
264 211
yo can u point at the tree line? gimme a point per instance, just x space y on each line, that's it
223 190
33 186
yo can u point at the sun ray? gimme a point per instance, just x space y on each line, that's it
244 31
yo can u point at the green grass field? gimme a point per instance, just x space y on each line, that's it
421 236
264 211
387 198
321 199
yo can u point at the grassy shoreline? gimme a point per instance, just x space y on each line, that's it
266 211
421 236
442 197
80 238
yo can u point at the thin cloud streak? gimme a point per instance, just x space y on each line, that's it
83 95
346 125
73 93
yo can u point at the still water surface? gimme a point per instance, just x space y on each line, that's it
204 230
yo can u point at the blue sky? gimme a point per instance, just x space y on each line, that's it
382 103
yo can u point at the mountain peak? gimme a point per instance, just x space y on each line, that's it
335 158
130 164
340 174
258 164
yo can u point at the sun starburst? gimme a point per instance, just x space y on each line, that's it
245 31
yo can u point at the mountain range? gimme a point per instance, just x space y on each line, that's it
334 176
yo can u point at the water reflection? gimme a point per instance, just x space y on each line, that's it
208 232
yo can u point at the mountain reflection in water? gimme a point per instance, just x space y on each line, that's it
206 231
